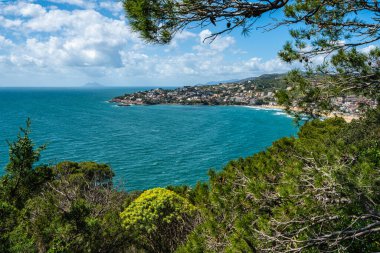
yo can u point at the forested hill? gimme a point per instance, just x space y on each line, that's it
265 82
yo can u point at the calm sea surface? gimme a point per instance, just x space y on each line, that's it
147 146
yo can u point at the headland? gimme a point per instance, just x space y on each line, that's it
257 92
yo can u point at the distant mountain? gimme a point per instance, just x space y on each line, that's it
263 80
266 82
226 81
93 85
219 82
263 77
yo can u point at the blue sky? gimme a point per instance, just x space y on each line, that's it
72 42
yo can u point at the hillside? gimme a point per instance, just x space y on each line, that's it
251 91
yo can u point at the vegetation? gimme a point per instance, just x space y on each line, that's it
75 207
159 219
325 26
314 193
318 192
159 20
69 207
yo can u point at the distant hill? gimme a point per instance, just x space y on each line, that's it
219 82
263 77
264 82
93 85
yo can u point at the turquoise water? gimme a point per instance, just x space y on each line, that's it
147 146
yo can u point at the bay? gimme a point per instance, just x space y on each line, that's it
147 146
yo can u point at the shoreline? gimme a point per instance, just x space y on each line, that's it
347 118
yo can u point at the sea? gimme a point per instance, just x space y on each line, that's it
146 146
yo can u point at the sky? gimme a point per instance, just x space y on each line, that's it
73 42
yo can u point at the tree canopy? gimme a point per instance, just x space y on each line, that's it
329 24
158 20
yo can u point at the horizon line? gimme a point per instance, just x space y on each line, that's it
87 87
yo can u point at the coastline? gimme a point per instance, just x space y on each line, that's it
347 118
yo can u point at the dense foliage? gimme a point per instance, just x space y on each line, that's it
69 207
75 207
159 219
345 73
315 193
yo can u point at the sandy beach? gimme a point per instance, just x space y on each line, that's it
346 117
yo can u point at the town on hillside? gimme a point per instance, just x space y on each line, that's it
259 91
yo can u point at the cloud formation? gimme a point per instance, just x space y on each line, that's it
68 42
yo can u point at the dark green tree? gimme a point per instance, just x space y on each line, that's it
77 211
328 44
346 73
21 181
159 20
22 178
351 23
68 207
97 174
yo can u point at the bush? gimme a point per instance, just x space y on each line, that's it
159 220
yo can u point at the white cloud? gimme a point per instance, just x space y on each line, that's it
223 43
4 42
74 38
367 49
218 44
179 38
51 21
9 23
258 65
115 8
204 35
23 9
80 3
184 35
77 44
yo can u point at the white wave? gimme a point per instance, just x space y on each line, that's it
282 114
260 108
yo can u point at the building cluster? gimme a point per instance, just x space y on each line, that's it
230 94
222 94
353 104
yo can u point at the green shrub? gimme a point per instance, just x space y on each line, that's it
159 220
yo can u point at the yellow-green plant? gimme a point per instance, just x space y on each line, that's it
159 219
